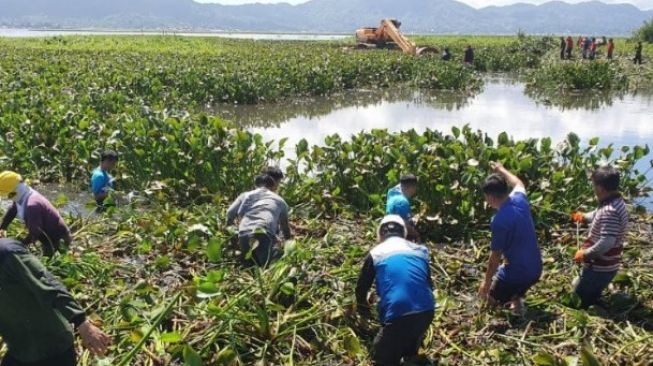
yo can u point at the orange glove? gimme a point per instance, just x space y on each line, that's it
578 217
580 256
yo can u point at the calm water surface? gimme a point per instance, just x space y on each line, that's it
31 33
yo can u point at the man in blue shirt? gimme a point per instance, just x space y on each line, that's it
405 289
101 180
398 203
513 238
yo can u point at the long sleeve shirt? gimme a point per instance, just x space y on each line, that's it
603 248
36 310
403 279
42 220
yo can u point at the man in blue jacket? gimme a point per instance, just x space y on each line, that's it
405 290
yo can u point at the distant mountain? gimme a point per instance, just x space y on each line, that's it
342 16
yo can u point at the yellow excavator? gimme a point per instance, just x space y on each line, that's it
387 35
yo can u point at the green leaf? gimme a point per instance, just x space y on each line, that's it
191 357
587 356
214 250
352 343
544 359
170 337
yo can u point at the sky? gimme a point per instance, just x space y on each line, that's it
642 4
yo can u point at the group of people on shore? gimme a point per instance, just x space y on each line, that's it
399 266
589 46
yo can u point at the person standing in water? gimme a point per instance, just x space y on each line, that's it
101 180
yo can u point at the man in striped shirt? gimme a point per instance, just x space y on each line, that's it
601 253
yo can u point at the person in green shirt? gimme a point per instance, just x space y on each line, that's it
38 315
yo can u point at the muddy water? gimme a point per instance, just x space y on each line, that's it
501 106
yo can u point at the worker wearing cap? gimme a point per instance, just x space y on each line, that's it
38 315
44 224
405 290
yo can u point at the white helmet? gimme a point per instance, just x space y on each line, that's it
390 221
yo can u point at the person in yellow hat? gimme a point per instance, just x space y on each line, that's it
43 221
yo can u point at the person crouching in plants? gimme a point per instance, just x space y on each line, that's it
405 291
601 253
262 212
398 203
43 221
513 238
101 180
38 315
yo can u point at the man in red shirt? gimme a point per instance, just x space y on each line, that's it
610 48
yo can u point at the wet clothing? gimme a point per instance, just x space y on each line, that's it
592 284
513 235
401 338
101 182
398 204
603 248
36 310
43 222
68 358
403 279
260 210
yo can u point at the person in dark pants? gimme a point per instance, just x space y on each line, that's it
38 314
638 54
610 49
569 48
43 221
563 47
513 238
469 56
262 212
446 55
601 253
402 274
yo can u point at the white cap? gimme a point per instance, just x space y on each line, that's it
389 220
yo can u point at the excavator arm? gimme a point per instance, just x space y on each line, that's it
388 29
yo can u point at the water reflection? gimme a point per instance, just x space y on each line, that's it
276 114
589 100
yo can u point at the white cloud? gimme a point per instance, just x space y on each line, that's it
642 4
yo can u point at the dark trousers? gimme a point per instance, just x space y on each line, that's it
264 250
591 285
52 245
68 358
400 339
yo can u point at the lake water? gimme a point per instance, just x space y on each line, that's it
501 106
32 33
